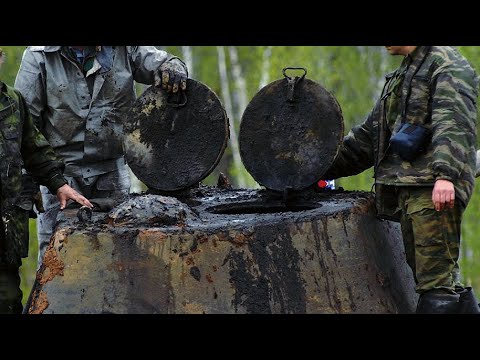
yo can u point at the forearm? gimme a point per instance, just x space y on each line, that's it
146 62
355 154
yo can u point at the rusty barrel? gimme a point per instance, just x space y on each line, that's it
220 251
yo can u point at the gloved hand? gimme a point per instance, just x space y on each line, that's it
172 75
38 202
31 195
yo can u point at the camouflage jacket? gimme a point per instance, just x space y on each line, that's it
83 120
434 87
21 144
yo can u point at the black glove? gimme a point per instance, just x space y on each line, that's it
31 195
172 75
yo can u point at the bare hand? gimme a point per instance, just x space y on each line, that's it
443 195
65 193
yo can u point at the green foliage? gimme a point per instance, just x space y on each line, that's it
8 71
29 264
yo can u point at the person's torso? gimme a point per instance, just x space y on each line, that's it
10 144
84 125
410 101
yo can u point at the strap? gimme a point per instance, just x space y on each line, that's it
412 70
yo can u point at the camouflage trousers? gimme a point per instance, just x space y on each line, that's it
431 239
109 185
10 293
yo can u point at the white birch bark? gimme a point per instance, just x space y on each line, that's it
187 55
265 78
227 101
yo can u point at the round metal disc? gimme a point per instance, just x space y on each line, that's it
290 144
170 146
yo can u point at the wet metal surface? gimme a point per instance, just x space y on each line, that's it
290 144
170 147
221 251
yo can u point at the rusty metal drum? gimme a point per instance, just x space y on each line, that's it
290 133
173 142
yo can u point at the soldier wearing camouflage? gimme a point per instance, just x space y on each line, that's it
21 145
435 88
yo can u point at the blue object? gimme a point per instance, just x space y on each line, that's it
409 141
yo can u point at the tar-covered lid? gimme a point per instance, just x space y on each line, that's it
290 133
173 142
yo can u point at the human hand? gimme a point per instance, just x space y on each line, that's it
65 193
172 76
38 201
443 195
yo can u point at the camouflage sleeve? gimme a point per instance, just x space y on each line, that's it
146 61
356 152
30 84
454 114
38 156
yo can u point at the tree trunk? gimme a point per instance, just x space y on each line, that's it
227 101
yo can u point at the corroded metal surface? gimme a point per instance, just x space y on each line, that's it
290 144
171 147
322 253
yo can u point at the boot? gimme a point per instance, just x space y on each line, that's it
468 304
435 303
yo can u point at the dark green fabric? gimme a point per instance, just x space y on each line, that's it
434 87
441 96
21 145
10 293
431 238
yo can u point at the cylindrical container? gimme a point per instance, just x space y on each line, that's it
227 252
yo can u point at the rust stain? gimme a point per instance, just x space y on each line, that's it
190 261
240 239
202 239
194 308
215 268
222 236
214 240
53 265
61 237
39 306
126 265
209 278
151 235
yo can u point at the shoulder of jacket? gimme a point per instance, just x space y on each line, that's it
44 48
36 48
131 49
444 55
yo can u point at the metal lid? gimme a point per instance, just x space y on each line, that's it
290 133
174 141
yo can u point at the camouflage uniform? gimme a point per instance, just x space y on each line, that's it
437 88
21 144
79 109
